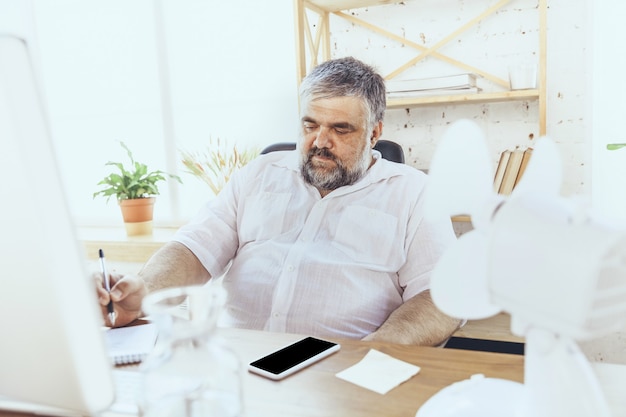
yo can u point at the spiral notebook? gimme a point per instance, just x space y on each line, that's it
131 344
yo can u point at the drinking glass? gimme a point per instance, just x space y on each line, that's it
191 372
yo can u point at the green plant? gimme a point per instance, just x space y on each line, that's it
217 164
132 183
614 146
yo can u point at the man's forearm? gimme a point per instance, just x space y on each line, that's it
417 322
171 266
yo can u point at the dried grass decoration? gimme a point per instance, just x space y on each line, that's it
217 163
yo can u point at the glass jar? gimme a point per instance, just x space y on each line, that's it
190 372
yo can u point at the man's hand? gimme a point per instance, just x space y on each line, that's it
173 265
127 293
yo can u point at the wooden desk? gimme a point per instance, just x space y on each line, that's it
316 392
496 328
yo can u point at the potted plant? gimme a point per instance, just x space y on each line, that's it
135 190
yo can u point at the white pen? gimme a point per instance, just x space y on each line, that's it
107 286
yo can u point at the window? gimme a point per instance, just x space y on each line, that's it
161 76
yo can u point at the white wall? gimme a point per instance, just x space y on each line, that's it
509 37
606 87
230 74
606 111
225 69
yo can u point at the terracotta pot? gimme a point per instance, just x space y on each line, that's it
137 214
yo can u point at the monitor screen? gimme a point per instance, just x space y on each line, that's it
52 351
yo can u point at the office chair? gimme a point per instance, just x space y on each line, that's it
390 150
279 146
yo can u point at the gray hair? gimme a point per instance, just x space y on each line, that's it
347 77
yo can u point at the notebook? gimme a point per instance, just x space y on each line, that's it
131 344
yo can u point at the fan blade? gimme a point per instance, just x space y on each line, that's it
544 171
460 172
459 285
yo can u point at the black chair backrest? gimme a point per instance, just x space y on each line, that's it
279 146
390 150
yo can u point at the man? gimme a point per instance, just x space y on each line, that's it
327 240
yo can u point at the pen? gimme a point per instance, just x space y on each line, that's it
107 286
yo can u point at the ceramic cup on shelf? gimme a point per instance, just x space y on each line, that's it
523 76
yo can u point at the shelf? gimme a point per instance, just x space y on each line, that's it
400 103
338 5
313 46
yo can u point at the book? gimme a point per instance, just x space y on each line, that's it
511 171
502 163
130 344
433 92
467 80
527 154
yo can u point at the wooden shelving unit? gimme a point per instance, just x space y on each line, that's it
313 47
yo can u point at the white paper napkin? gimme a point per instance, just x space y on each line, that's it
379 372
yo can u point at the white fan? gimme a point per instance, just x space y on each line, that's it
539 257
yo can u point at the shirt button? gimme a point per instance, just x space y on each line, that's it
290 268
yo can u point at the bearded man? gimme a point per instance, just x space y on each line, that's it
328 240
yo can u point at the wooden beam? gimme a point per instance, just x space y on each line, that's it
460 64
461 29
543 53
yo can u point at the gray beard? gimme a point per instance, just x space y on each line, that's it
338 177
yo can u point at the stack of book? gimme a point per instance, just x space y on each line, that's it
510 169
445 85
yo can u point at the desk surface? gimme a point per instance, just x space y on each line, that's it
496 328
316 392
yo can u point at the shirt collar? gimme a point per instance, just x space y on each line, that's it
380 170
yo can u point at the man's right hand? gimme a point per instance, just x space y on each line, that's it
127 293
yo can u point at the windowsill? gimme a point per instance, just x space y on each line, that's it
119 247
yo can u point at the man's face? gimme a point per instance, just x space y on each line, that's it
335 149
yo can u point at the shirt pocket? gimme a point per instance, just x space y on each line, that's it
263 216
368 236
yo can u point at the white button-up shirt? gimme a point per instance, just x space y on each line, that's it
334 266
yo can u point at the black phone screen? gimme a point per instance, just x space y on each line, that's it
290 356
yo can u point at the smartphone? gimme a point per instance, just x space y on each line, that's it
290 359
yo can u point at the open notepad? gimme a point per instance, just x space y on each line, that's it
130 344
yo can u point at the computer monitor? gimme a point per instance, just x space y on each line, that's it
52 350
